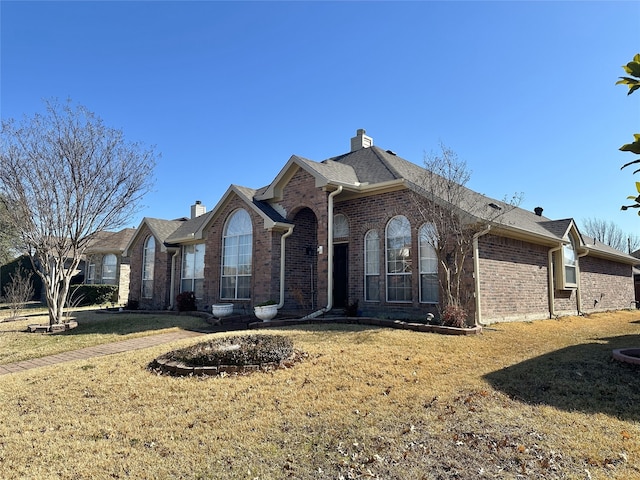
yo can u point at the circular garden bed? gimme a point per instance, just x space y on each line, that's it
229 355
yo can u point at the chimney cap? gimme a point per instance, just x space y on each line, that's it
361 140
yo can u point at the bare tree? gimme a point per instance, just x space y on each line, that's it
67 176
18 291
609 233
454 215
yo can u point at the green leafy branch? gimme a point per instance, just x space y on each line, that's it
633 82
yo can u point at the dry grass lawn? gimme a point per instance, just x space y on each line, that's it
522 400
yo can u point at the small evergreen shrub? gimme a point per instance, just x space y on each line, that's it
82 295
186 301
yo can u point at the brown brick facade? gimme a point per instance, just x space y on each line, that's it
513 274
161 299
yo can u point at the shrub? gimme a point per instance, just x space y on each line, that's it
351 310
186 301
454 316
240 351
83 295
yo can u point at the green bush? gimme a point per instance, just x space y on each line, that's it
186 302
83 295
239 351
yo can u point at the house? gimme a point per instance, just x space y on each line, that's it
104 262
325 235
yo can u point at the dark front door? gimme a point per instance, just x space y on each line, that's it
340 272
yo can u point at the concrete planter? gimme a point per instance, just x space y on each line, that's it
221 310
266 312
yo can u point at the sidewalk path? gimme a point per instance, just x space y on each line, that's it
99 351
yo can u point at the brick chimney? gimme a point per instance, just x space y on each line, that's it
198 209
361 140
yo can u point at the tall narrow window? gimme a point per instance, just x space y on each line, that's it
237 244
570 265
399 268
91 273
109 268
148 262
428 265
193 269
372 266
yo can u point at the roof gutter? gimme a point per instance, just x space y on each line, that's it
330 255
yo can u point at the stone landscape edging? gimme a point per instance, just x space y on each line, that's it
378 322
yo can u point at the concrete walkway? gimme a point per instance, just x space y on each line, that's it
99 351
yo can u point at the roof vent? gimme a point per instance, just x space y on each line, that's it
361 140
198 209
538 211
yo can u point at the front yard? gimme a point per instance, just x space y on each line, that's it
522 400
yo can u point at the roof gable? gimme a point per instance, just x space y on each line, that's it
159 228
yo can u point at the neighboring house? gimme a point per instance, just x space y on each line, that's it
105 264
324 235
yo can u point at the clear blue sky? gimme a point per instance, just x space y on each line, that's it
524 92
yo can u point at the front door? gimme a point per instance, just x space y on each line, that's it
340 275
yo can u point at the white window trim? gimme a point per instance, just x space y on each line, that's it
366 264
403 274
150 272
192 278
420 257
222 264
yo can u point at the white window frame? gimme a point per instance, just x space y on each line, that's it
192 278
237 257
148 267
398 260
568 260
91 273
340 226
372 266
428 262
106 267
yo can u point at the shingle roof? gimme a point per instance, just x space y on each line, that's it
114 242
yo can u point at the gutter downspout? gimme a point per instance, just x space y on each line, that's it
173 278
476 273
330 259
550 282
282 265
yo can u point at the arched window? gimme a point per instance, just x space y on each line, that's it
340 226
372 266
398 254
193 269
429 285
237 241
109 268
148 263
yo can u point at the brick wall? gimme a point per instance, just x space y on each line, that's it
306 273
513 279
265 283
373 213
161 274
605 285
